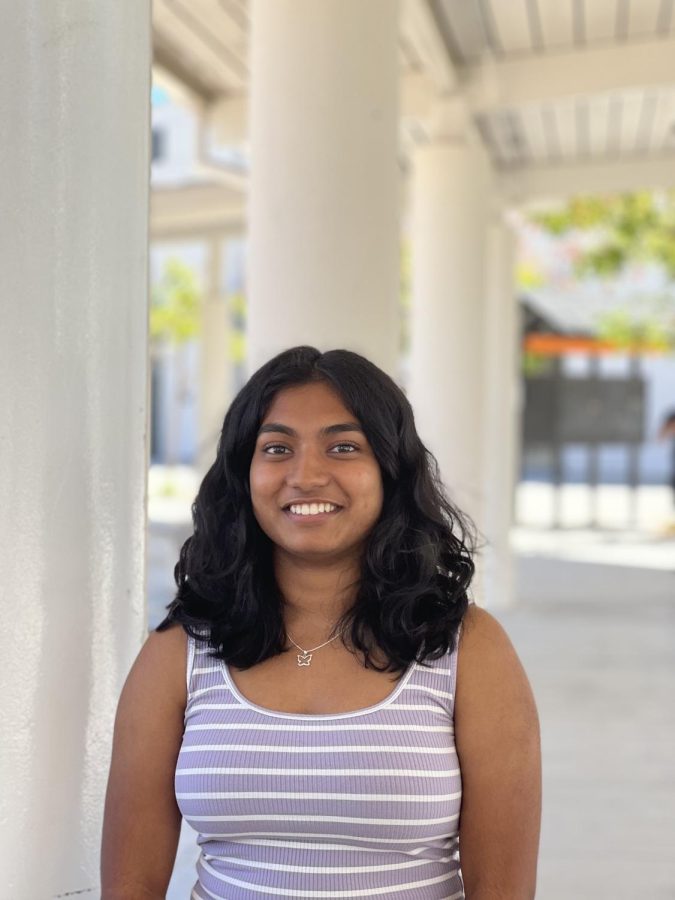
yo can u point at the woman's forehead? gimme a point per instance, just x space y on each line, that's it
308 401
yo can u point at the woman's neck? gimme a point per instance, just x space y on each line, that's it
315 596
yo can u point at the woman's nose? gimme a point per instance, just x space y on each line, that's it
308 468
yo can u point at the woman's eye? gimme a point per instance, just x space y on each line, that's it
274 447
348 446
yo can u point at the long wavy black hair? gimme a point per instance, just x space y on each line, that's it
417 562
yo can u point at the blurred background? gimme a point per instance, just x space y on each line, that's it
479 195
573 110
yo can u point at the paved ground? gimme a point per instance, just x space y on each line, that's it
595 629
598 642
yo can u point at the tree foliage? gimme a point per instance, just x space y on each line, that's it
627 228
175 310
236 347
626 331
616 232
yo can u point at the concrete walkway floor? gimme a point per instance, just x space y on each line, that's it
594 627
598 643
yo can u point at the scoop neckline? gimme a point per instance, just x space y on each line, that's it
403 680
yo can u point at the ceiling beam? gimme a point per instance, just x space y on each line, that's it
165 59
418 27
187 31
179 92
546 78
538 184
182 212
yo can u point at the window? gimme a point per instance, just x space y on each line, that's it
158 144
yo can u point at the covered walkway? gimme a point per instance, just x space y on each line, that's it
422 120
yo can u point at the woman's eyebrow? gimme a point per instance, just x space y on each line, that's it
329 429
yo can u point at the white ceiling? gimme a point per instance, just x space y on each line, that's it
549 83
510 28
601 115
610 126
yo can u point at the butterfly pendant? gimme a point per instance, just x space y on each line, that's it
304 659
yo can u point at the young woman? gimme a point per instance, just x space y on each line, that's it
323 703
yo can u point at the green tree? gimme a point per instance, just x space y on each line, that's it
175 309
628 228
236 348
621 231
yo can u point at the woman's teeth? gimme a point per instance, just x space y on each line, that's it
312 509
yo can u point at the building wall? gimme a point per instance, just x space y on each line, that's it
655 456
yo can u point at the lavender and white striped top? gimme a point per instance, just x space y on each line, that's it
356 804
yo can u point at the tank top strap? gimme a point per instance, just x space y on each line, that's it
198 660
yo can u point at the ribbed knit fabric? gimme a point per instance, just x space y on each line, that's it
355 804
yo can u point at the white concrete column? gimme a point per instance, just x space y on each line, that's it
448 260
215 383
501 445
74 103
323 265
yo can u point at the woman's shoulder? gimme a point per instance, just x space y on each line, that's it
484 643
170 641
479 625
490 676
162 661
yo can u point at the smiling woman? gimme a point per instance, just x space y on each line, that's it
364 762
303 461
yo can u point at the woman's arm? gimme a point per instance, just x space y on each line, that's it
141 823
498 744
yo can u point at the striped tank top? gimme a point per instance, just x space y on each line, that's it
356 804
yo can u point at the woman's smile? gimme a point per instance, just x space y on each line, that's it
311 513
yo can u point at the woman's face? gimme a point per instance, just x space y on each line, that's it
310 449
